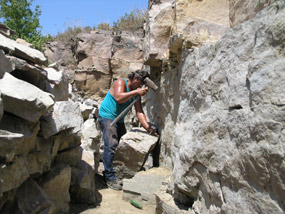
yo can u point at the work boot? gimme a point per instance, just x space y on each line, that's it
114 185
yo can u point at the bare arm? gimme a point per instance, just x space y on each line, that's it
142 118
118 91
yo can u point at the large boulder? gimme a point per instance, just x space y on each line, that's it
23 99
28 130
28 72
64 115
21 51
11 180
132 152
35 200
82 187
56 184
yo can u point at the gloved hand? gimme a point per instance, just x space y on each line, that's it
152 130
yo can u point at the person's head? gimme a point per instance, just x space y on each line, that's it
137 78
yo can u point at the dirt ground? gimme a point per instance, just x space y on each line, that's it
109 202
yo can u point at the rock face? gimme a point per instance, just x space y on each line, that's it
223 111
243 10
93 59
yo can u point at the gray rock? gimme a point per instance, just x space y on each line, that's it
58 84
22 51
64 115
72 157
82 187
23 99
244 10
39 162
132 152
91 135
8 178
56 184
5 64
159 24
29 73
10 144
86 110
144 185
19 146
35 200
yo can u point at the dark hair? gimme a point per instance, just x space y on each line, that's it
140 74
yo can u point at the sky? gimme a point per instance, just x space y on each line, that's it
58 15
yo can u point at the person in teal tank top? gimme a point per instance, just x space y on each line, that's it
119 97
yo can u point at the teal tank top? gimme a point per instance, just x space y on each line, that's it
110 109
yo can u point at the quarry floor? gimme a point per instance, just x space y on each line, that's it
109 202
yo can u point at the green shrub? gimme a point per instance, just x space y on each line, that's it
132 21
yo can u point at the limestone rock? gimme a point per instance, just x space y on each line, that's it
88 157
65 115
22 51
228 132
26 129
165 204
56 184
87 108
72 157
88 45
67 139
93 54
39 162
144 185
159 24
92 82
243 10
214 11
60 52
10 143
91 135
28 72
58 84
82 187
132 152
91 140
35 200
8 178
23 42
128 56
23 99
5 64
